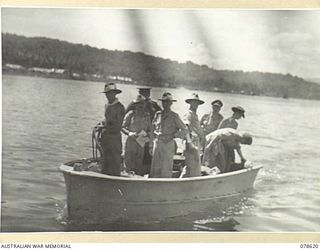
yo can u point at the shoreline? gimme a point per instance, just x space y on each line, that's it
66 77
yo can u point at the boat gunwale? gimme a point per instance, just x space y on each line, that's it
69 170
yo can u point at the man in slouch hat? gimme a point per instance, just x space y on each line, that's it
166 124
193 148
231 122
111 136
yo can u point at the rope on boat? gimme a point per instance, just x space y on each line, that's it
96 142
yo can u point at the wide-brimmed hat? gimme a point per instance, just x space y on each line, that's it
247 138
166 96
108 87
239 109
139 99
194 97
217 103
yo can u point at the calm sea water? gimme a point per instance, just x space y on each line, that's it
46 122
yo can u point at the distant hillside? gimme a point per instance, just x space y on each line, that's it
57 58
316 80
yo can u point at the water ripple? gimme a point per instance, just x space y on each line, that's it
53 128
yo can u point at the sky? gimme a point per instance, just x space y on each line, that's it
279 41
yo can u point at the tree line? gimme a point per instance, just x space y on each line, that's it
148 70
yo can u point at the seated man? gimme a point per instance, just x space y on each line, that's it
220 146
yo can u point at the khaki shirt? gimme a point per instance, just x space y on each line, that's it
113 114
217 143
210 122
167 124
192 120
135 123
151 107
229 123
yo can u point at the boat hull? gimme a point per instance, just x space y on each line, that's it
97 197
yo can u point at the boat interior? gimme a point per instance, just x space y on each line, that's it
178 170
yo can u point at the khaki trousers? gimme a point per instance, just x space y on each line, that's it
162 159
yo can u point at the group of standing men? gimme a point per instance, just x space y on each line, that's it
151 131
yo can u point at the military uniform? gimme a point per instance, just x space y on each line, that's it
229 123
134 152
210 122
111 138
165 124
151 107
220 147
192 152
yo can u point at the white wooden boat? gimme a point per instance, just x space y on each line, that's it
97 197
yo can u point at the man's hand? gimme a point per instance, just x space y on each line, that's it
132 134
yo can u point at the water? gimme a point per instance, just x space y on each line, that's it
47 122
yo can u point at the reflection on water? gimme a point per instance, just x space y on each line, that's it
168 225
47 122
